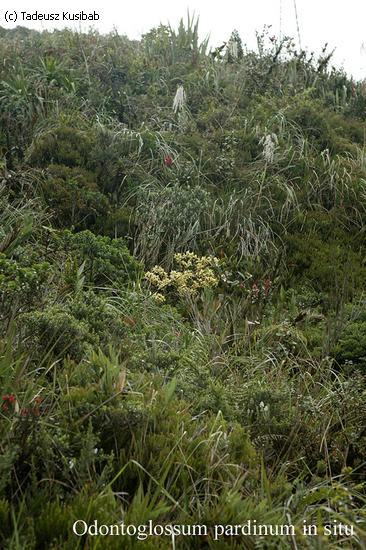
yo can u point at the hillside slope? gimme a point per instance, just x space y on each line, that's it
182 309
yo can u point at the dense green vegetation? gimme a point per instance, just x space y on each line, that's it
182 274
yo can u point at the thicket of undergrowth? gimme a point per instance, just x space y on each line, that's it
182 274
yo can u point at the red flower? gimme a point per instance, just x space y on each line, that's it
11 398
168 160
255 289
267 284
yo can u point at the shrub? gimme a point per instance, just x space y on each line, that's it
57 331
350 351
107 261
20 285
73 196
330 265
62 145
313 121
103 321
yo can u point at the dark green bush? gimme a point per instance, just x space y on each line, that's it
329 265
57 331
20 285
63 145
103 321
107 261
350 351
313 121
73 196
